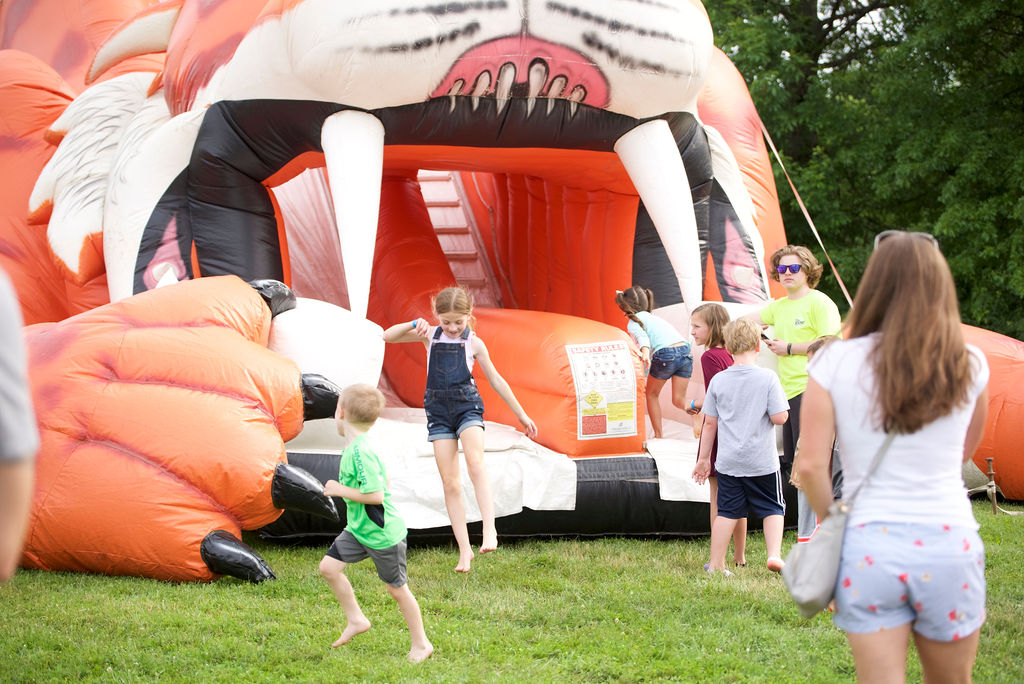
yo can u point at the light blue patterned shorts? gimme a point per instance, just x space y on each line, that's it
893 573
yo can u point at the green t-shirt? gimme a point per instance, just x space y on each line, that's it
800 320
375 526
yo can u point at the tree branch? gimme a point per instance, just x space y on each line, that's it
846 58
850 20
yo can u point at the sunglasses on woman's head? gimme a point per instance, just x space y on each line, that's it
793 268
886 234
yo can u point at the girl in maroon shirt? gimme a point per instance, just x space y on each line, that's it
706 323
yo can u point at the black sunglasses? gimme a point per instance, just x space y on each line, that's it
793 268
886 234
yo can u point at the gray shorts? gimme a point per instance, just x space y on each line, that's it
390 562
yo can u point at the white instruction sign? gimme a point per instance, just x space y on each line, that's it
605 383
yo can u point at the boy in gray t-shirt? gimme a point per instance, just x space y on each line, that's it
743 405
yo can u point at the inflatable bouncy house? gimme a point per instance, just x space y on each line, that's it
211 210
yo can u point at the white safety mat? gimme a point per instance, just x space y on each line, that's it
522 472
676 455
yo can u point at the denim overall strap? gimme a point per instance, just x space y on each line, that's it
447 367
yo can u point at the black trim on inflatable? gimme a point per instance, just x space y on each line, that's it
615 496
220 204
722 214
170 210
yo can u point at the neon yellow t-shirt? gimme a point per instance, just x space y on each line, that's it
800 320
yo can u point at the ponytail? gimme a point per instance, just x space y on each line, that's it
633 301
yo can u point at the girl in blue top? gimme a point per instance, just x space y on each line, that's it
665 351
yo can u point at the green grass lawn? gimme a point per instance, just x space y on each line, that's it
539 611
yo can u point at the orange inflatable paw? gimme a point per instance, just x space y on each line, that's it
163 419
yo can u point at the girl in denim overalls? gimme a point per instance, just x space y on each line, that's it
455 411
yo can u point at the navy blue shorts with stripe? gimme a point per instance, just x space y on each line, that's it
758 495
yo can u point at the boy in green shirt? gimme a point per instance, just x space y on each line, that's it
374 528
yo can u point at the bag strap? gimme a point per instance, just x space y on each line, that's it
871 471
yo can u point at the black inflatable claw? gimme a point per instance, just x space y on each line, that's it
278 296
295 489
226 554
319 396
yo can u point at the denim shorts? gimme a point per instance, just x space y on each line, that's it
669 361
450 411
932 575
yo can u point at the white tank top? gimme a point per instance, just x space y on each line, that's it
468 342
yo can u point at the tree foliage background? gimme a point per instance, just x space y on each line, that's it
896 115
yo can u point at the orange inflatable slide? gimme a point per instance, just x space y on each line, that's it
162 155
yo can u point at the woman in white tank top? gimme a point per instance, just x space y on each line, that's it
912 561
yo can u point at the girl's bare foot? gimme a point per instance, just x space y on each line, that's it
418 655
351 629
465 561
489 543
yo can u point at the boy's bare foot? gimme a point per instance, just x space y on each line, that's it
775 564
465 561
418 655
351 629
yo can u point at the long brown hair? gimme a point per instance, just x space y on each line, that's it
715 317
922 367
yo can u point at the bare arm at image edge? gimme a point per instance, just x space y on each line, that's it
19 435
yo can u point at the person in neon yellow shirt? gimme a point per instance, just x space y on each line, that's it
799 318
